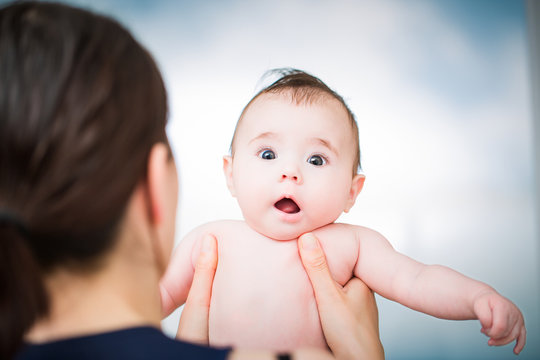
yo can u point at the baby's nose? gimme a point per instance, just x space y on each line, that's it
292 176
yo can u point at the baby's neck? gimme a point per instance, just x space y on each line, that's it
293 237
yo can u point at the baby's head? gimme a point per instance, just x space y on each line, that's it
294 157
301 88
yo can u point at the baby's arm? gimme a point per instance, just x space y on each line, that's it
437 290
175 284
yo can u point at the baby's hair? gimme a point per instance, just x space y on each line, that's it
303 88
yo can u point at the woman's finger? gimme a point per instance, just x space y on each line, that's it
193 324
361 298
316 267
348 315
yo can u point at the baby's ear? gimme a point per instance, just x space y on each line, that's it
228 171
356 186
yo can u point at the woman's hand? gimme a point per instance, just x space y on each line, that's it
348 314
193 326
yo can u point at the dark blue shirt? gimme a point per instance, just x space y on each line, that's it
133 343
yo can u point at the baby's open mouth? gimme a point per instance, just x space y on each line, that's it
287 206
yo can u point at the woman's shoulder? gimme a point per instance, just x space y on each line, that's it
133 343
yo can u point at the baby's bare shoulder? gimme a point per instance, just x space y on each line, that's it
347 237
222 230
228 232
344 244
217 227
345 232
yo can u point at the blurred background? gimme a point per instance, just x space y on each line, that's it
444 95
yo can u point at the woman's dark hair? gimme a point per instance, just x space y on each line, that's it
303 88
81 104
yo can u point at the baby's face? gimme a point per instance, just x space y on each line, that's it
292 166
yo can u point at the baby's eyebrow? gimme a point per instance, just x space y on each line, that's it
326 144
264 135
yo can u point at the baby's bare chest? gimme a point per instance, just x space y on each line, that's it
262 296
260 271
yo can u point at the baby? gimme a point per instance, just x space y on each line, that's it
294 169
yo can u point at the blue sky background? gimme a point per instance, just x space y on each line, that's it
441 93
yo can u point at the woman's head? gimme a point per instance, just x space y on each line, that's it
81 105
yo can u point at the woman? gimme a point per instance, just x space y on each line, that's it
88 191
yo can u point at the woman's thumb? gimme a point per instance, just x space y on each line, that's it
314 261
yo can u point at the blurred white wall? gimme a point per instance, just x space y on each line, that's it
533 22
442 96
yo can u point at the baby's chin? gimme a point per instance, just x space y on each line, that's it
279 234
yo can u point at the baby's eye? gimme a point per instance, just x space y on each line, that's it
267 155
317 160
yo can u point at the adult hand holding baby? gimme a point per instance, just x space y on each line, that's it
348 314
193 325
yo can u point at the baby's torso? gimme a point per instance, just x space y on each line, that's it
262 297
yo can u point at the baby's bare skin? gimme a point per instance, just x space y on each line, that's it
262 297
290 170
269 293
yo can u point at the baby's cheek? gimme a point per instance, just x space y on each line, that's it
249 201
329 207
248 192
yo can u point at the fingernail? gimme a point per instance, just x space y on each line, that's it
309 242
